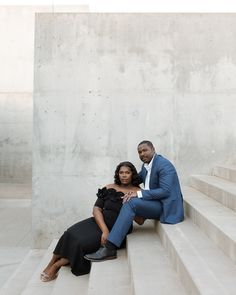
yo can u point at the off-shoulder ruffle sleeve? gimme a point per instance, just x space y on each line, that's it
105 194
114 195
101 194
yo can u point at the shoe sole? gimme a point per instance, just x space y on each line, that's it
101 260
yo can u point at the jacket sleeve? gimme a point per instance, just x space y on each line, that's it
166 177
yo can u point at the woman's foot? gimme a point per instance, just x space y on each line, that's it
42 275
50 273
47 278
54 259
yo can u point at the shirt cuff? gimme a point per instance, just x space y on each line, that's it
139 194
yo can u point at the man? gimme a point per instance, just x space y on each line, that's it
160 199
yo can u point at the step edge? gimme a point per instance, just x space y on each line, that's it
198 286
229 245
153 234
122 261
36 274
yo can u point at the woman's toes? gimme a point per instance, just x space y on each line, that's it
47 278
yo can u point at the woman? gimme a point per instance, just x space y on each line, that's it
88 235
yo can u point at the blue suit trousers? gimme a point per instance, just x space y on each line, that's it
150 209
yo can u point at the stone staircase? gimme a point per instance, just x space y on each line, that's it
197 256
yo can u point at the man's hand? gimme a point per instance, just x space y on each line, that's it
128 196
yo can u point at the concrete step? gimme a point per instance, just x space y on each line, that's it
15 203
110 277
217 188
202 267
67 283
15 220
10 259
15 190
226 172
217 221
151 271
35 286
18 280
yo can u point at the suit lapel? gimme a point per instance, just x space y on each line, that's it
144 173
154 163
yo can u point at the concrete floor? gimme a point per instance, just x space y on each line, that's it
15 226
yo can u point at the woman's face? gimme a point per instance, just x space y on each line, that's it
125 175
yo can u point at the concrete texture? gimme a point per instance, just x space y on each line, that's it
10 258
34 284
227 172
104 82
67 283
15 225
14 191
151 271
110 277
15 229
17 50
215 220
221 190
16 283
16 118
16 87
193 247
201 265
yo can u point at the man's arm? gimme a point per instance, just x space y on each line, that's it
166 180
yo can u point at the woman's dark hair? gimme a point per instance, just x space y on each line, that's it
136 180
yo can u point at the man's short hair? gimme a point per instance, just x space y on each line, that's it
149 143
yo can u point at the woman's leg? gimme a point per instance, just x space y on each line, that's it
51 272
52 261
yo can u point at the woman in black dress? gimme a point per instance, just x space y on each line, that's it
88 235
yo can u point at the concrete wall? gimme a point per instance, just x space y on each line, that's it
16 87
104 82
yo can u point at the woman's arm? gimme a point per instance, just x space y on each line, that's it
97 213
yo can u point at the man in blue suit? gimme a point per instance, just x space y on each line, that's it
161 199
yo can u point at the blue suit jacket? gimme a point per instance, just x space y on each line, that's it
164 187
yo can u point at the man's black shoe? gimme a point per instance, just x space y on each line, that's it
101 255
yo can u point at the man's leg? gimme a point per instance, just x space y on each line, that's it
135 206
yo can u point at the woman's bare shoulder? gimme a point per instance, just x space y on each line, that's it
124 190
111 185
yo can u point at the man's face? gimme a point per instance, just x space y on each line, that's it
145 152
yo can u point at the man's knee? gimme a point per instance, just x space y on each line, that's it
130 205
133 204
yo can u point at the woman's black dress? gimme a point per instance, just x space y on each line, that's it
85 236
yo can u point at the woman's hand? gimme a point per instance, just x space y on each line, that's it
139 220
128 196
97 213
104 237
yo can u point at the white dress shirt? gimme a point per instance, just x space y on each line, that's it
148 167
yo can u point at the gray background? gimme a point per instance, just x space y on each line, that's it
104 82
